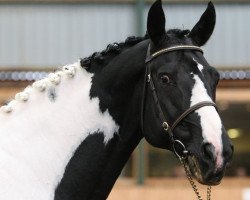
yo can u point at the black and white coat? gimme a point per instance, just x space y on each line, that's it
68 136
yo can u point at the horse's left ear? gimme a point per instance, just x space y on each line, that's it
156 23
205 26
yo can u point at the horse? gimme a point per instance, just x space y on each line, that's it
68 136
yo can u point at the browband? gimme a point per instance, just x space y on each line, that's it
169 49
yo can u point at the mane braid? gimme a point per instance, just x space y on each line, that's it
53 79
114 49
69 71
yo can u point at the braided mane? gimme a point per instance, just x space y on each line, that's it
111 49
70 70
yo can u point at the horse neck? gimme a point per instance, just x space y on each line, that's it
74 145
104 163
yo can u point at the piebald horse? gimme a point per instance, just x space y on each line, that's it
68 136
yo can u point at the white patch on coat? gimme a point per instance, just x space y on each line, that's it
38 138
210 121
200 67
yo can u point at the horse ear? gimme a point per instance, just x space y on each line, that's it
156 23
202 31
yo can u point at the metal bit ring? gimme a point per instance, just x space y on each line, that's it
185 152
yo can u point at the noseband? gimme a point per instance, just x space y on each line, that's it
165 125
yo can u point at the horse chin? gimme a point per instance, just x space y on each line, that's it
195 170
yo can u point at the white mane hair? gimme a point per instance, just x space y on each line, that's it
41 85
39 134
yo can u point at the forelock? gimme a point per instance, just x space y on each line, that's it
178 37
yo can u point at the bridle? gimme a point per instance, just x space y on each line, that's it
169 129
149 80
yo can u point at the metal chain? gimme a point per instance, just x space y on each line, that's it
192 183
209 190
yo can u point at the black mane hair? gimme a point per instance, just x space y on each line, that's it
111 50
177 37
178 32
115 48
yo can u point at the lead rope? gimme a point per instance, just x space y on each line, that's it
192 183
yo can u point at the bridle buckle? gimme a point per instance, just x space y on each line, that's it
165 126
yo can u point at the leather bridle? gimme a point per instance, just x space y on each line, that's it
165 125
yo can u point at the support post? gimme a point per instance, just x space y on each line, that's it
140 172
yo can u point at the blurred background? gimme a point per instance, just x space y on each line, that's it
38 36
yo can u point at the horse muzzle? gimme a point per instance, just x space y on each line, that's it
205 173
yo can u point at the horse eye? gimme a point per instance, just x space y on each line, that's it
165 79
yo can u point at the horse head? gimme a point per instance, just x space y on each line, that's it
178 112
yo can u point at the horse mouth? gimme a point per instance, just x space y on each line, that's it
195 172
194 169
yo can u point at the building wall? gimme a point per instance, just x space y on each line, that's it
50 34
228 46
45 35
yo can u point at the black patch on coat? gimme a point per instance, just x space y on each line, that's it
95 166
84 170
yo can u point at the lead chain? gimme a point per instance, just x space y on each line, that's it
192 183
209 190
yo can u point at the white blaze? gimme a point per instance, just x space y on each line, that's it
200 67
210 121
39 137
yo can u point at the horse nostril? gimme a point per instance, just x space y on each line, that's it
209 151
